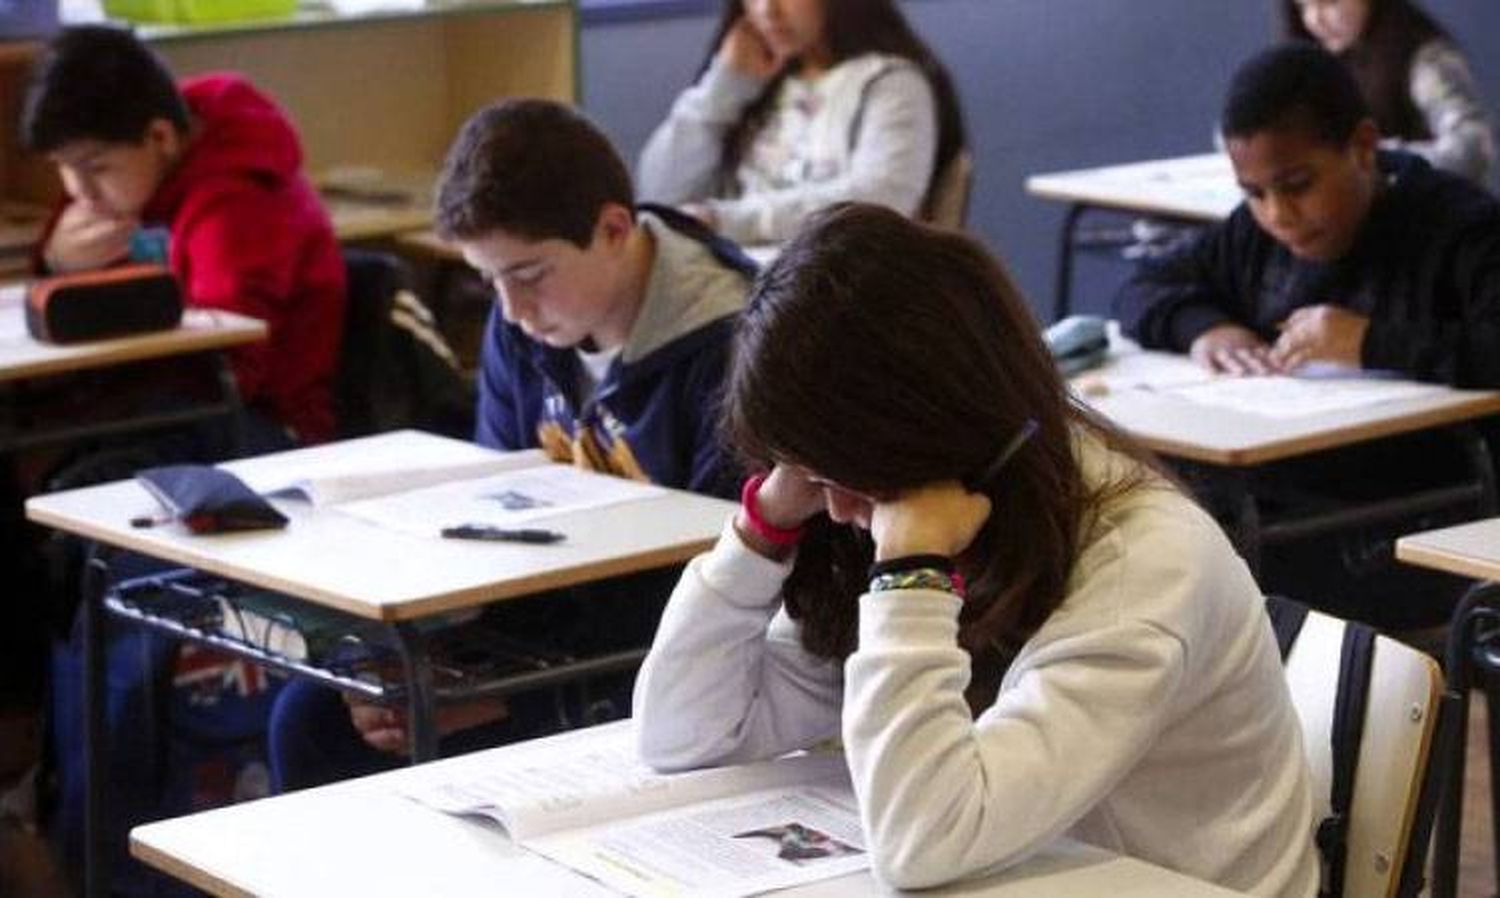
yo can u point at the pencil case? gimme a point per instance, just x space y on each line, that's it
208 499
95 305
1078 343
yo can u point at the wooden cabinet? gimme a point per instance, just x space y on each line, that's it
376 97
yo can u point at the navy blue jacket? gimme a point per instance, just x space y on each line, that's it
653 418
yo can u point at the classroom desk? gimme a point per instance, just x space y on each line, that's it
24 359
370 841
1139 391
1193 189
328 558
1472 659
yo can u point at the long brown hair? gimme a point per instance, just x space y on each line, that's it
1380 60
884 354
850 28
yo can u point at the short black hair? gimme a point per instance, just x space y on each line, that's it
95 82
1294 87
532 168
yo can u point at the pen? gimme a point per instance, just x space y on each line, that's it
501 534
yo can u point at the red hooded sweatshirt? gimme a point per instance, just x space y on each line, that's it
248 234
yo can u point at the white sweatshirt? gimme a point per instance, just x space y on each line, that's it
1149 715
864 130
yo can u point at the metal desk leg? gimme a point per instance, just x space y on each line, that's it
1063 296
420 700
1247 523
96 785
1474 621
1483 463
234 405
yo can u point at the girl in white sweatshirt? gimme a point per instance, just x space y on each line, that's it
800 104
1018 628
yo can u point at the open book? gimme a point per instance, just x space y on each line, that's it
420 483
585 800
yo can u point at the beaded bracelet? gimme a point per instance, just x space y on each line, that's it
918 578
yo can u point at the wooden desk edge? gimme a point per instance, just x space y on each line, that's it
555 578
1469 409
1411 551
185 872
141 348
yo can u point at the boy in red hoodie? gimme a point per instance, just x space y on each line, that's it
217 165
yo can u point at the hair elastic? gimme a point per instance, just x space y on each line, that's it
776 536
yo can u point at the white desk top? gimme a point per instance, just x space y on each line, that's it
22 356
1470 550
1199 188
334 559
1140 391
360 838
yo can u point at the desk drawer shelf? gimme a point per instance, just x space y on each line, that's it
352 654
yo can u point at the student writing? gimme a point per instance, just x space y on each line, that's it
803 103
607 347
1017 635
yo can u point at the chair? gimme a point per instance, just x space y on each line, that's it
1395 788
947 202
395 368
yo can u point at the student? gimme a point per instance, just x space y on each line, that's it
1347 254
607 347
1341 252
802 103
216 165
1414 77
1051 638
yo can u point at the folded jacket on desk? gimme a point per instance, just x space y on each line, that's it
209 500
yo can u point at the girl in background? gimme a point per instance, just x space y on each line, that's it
1413 75
1016 625
800 104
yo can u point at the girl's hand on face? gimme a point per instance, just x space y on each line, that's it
745 51
788 497
937 519
785 500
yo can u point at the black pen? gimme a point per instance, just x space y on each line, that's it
501 534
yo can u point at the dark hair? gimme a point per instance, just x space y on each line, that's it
1380 60
532 168
885 354
96 82
1294 87
851 28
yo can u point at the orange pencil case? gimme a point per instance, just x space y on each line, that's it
110 302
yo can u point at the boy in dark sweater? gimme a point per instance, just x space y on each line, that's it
1341 254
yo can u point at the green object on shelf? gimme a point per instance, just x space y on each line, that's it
198 12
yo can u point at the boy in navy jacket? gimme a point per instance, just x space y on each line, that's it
607 348
1347 254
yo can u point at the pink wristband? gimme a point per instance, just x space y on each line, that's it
776 536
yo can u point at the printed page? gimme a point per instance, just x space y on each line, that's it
727 848
1293 397
585 776
504 500
13 315
375 466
